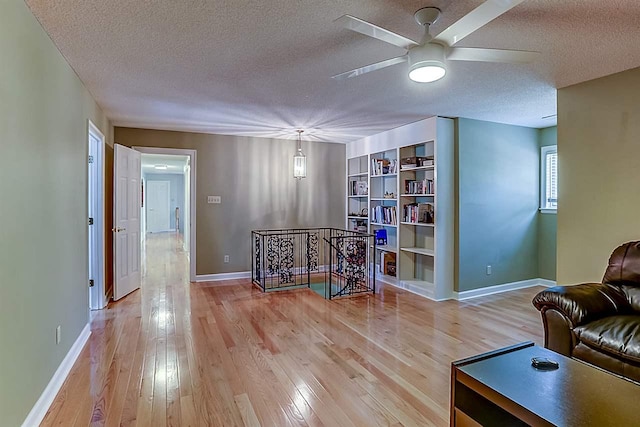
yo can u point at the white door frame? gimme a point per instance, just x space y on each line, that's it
95 196
192 197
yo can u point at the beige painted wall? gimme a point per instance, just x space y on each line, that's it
599 173
43 210
254 177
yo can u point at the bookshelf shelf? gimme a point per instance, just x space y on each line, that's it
420 251
384 225
419 168
357 194
419 218
384 175
386 248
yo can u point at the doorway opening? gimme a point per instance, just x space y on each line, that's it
95 211
168 202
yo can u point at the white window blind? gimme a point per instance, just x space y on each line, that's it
549 175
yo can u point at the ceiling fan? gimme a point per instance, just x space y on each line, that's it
427 59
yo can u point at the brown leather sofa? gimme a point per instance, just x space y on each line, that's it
598 323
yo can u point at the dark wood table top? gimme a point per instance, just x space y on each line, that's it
575 394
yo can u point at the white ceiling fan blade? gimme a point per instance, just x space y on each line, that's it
492 55
368 29
478 17
370 67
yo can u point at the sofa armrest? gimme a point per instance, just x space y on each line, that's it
583 303
565 307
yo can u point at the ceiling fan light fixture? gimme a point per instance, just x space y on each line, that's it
427 71
426 63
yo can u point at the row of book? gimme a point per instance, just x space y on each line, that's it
419 213
359 188
384 215
416 162
387 264
383 166
424 186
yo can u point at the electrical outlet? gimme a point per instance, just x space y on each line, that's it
488 270
226 259
214 199
58 334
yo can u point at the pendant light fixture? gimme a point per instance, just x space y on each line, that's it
299 160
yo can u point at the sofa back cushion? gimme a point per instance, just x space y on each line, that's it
624 271
633 296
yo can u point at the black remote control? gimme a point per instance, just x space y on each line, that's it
544 363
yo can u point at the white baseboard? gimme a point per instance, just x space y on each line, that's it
41 407
223 276
547 283
505 287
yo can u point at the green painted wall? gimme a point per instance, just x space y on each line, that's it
599 173
497 210
43 187
547 222
254 177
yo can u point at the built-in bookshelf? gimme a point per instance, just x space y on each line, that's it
409 197
383 210
417 235
358 194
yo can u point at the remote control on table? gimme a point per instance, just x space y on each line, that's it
544 363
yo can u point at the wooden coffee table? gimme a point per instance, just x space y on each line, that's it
501 388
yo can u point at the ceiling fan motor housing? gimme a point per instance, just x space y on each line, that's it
428 55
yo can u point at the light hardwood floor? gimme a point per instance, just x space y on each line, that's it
225 354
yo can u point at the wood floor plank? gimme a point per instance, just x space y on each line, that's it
215 354
246 410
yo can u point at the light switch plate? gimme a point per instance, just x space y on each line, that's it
214 199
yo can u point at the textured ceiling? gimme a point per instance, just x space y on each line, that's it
262 68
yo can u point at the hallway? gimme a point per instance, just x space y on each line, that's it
225 354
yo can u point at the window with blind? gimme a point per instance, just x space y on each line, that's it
549 178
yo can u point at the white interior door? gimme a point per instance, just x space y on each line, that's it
126 210
158 206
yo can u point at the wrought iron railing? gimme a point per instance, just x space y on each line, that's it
332 262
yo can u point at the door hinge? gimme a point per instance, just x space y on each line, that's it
90 159
91 283
90 221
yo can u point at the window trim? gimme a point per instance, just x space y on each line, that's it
544 151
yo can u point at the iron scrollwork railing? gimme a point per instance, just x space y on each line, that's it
332 262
